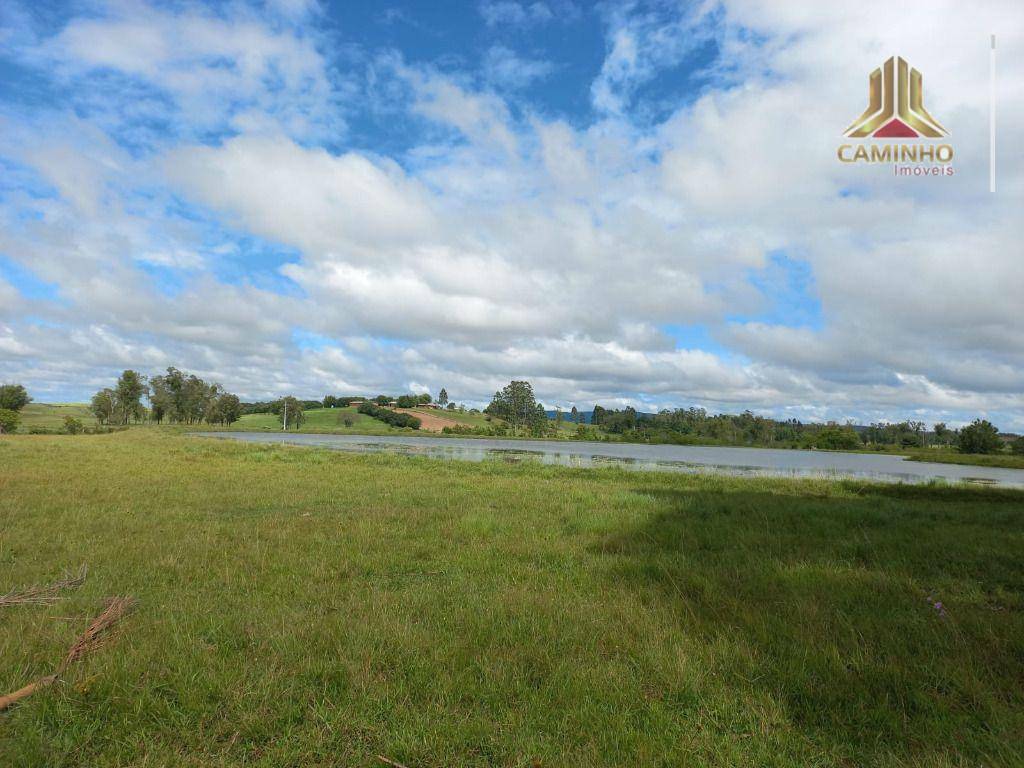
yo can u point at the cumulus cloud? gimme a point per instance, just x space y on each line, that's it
625 256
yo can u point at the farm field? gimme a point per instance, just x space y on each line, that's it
306 607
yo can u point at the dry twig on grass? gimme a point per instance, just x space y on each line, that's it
390 762
44 594
89 640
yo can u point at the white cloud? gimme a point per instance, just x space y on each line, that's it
503 67
536 247
501 12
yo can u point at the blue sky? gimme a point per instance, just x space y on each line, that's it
627 203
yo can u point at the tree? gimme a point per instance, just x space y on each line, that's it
382 400
979 437
9 420
574 416
330 401
423 399
230 408
833 437
942 433
1017 446
13 397
290 413
103 405
73 426
442 397
407 401
128 396
517 405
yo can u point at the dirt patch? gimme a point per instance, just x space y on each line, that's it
430 420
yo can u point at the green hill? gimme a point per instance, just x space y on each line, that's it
50 416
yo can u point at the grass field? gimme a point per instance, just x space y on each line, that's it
322 420
51 415
1009 460
309 608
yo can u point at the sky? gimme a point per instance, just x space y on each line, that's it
626 203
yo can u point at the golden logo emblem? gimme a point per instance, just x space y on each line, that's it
895 106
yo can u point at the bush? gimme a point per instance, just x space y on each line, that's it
832 437
73 426
1017 446
9 420
979 437
390 417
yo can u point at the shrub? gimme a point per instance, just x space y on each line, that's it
388 416
1017 446
979 437
9 420
832 437
73 426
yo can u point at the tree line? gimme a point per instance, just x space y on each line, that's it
686 425
175 396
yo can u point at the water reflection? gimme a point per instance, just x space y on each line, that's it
750 462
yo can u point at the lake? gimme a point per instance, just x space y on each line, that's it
641 456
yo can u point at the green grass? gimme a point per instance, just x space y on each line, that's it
1009 460
471 419
310 608
51 415
321 420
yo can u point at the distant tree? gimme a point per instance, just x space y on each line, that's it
942 433
9 420
517 405
836 438
597 416
424 398
73 426
13 397
128 396
574 415
979 437
330 401
103 405
382 400
290 413
451 406
407 401
1017 446
442 397
230 408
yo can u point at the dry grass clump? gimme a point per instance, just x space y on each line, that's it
93 636
44 594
